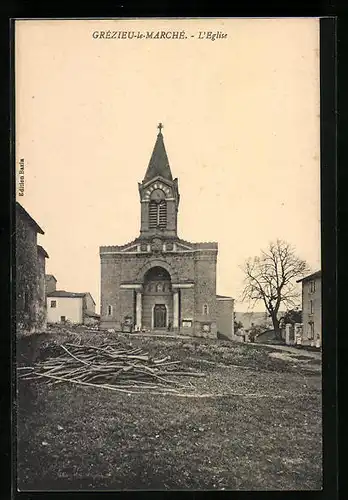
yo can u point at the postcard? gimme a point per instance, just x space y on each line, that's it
168 254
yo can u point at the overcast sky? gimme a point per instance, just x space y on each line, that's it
241 129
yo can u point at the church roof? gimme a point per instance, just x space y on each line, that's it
159 164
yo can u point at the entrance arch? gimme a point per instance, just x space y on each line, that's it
157 311
157 263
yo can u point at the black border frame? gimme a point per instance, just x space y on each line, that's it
328 82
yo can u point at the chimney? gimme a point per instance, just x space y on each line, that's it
51 283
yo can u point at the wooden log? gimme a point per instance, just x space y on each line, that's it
69 373
158 361
77 359
158 377
54 369
66 371
125 354
169 363
188 374
152 386
80 382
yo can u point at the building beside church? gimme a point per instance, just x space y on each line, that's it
75 307
159 281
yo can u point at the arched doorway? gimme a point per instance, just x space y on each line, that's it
157 312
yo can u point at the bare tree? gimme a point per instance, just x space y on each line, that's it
271 278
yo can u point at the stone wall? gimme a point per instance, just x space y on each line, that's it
89 304
50 283
225 323
26 282
41 312
187 308
205 294
110 291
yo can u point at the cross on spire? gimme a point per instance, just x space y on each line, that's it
159 164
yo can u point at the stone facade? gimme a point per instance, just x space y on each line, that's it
30 275
51 283
225 315
41 295
159 281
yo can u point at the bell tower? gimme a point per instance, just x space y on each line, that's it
159 195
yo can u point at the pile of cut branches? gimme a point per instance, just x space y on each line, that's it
112 366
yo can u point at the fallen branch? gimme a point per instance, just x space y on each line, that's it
104 386
115 367
72 355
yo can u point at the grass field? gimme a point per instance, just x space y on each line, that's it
254 424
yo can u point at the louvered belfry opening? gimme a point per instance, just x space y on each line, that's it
158 214
153 214
162 214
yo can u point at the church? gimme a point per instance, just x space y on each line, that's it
160 282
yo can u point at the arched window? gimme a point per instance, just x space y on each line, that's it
109 310
205 310
157 214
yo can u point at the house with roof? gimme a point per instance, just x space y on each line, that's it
30 274
311 309
74 307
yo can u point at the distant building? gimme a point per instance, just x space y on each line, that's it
30 275
160 281
311 309
254 318
62 306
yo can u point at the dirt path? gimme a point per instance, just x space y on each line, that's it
293 350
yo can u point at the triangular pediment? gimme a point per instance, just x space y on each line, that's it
183 247
132 248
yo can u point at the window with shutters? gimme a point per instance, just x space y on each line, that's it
158 214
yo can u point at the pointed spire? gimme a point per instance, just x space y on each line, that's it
159 164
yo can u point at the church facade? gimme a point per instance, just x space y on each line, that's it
159 281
